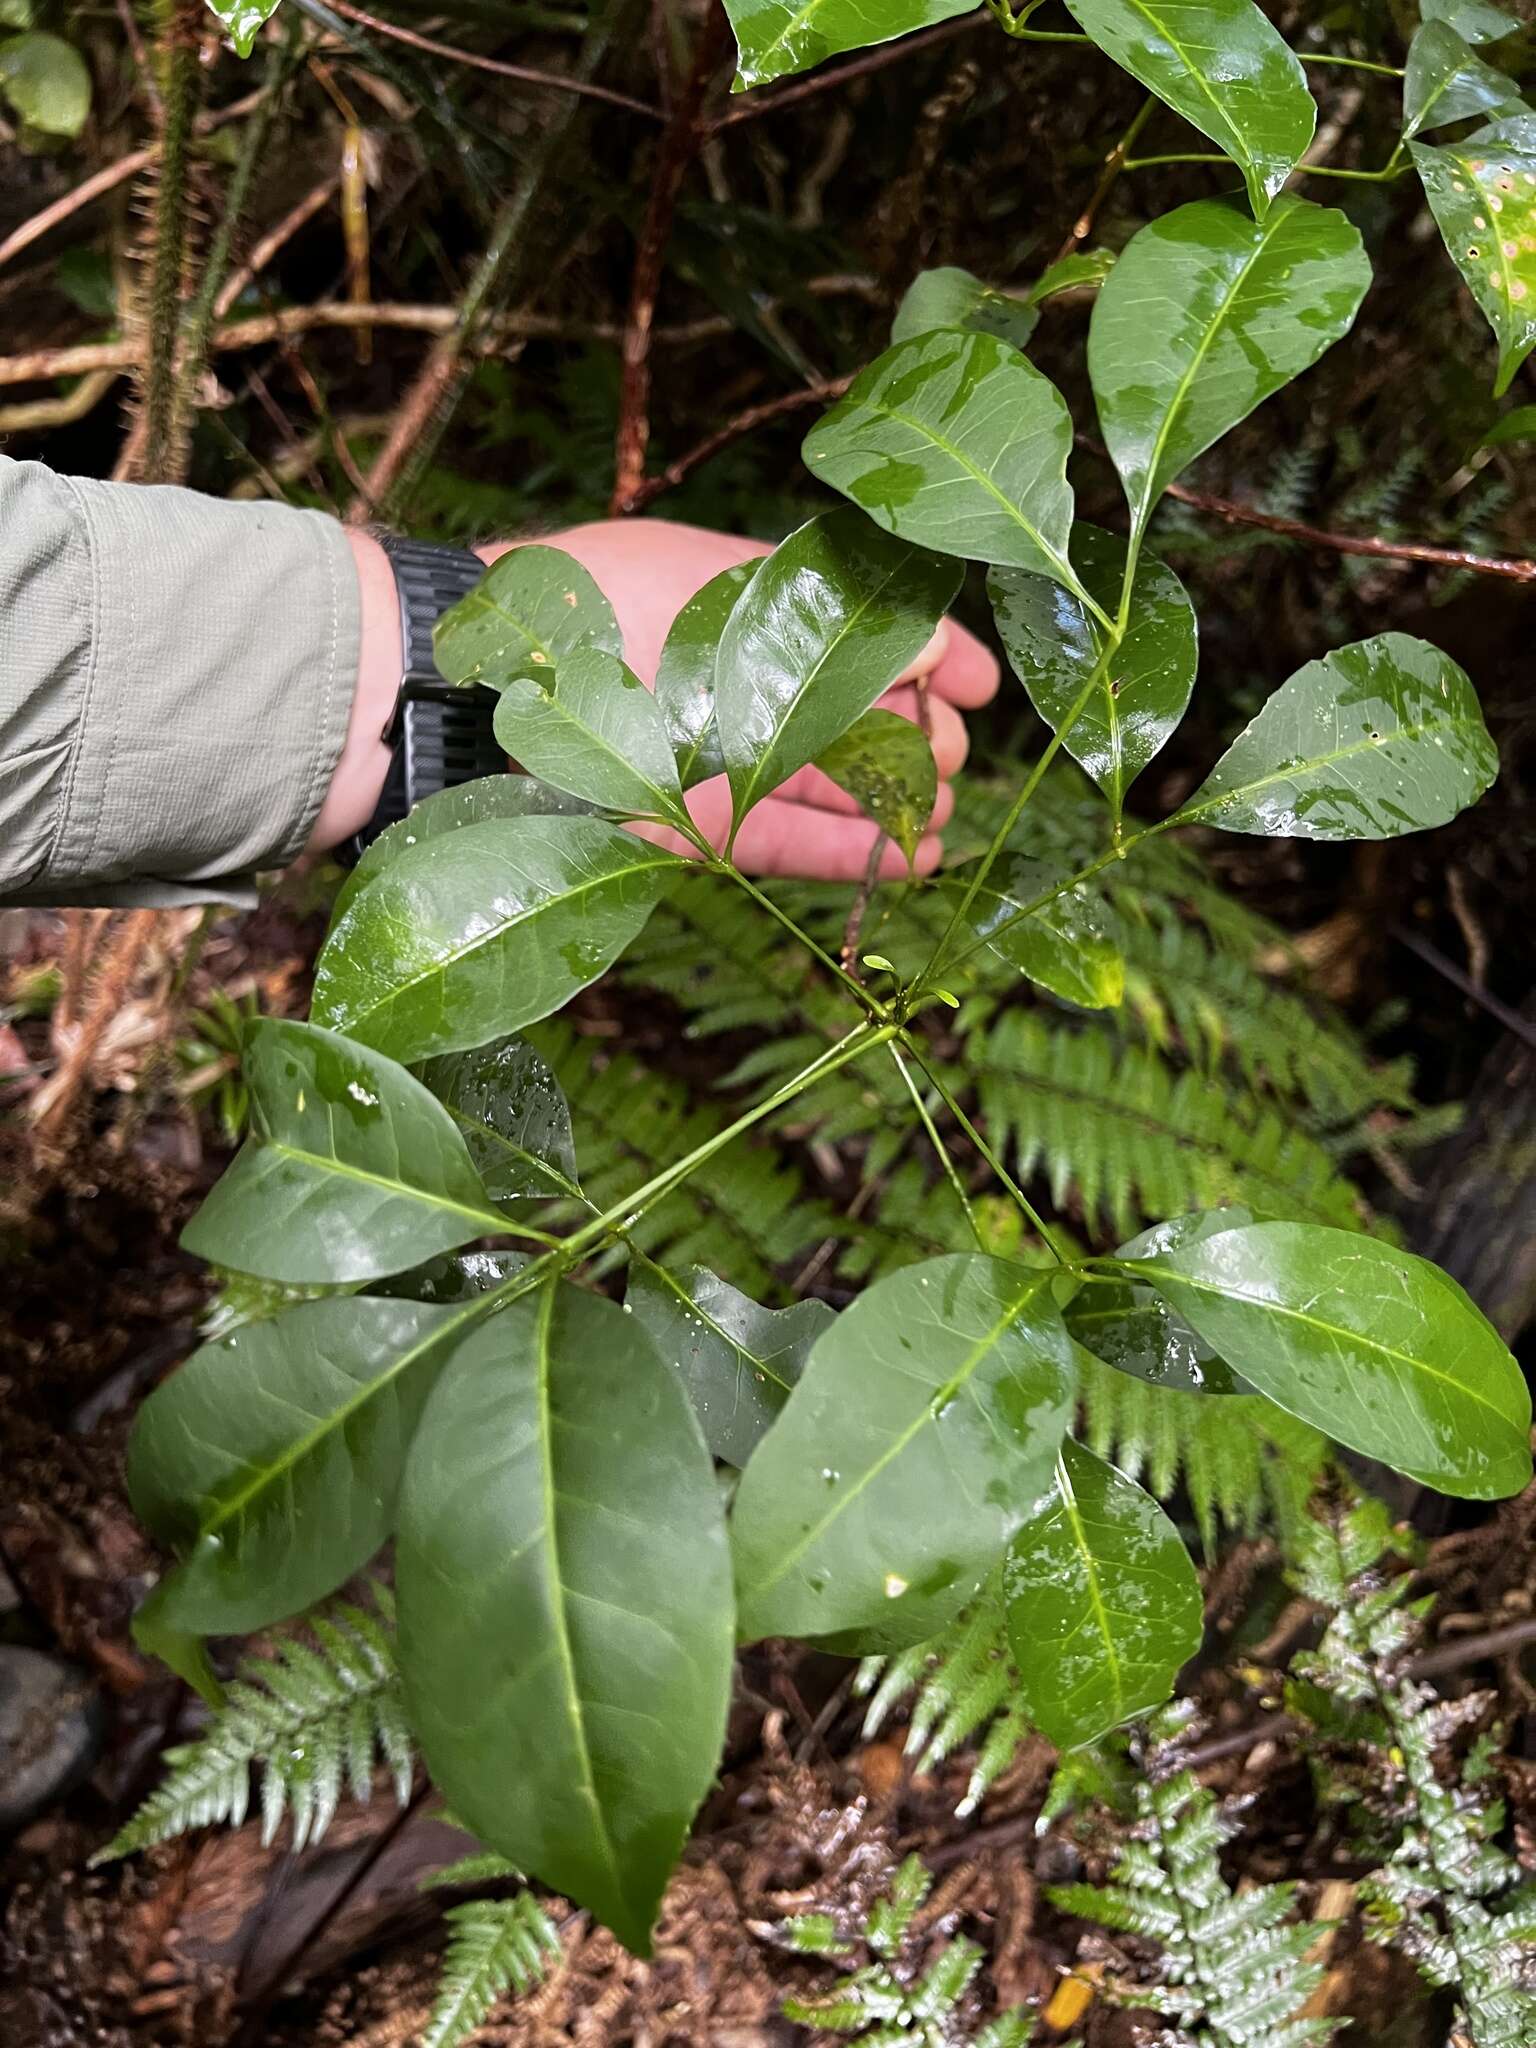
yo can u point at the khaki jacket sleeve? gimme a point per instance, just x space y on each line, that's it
176 674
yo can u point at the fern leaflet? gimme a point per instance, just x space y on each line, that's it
494 1946
312 1716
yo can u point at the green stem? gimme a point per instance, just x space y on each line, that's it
1015 24
1144 163
951 1103
1350 63
951 1170
872 1003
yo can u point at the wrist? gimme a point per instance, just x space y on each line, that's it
364 760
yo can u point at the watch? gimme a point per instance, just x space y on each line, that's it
439 735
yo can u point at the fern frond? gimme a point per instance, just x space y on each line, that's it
494 1946
885 2004
1132 1140
312 1717
1244 1463
1459 1906
1234 1972
484 1867
960 1681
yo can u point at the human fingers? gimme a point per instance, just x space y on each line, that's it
968 674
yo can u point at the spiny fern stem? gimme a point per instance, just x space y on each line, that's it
952 1104
198 322
178 25
951 1172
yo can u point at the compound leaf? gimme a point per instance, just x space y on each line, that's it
533 606
829 621
775 38
1482 193
886 764
738 1360
597 732
685 675
1058 648
514 1117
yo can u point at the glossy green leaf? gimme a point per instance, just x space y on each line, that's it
514 1117
775 38
1064 944
1482 193
1103 1603
565 1602
475 933
886 765
352 1169
272 1459
1446 81
454 1278
951 297
470 803
1057 649
1376 739
685 675
244 20
1517 425
46 82
829 621
1473 20
954 440
1082 270
738 1360
533 607
1129 1326
1223 66
1206 315
923 1430
1379 1348
598 733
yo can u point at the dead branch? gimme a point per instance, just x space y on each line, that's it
525 73
685 133
743 423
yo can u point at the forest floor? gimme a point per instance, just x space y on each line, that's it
218 1941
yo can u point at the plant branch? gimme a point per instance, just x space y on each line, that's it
1114 164
160 417
855 988
952 1104
742 423
1512 568
750 105
524 73
680 144
951 1171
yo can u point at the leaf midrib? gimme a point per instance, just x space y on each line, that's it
558 1621
743 802
336 1418
1068 1497
331 1163
451 958
935 1400
665 802
1195 808
1158 1275
957 454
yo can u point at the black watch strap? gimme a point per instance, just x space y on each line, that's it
439 735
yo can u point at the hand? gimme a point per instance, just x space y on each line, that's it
648 569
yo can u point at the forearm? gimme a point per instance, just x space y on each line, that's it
181 683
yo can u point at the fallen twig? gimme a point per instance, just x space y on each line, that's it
685 133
